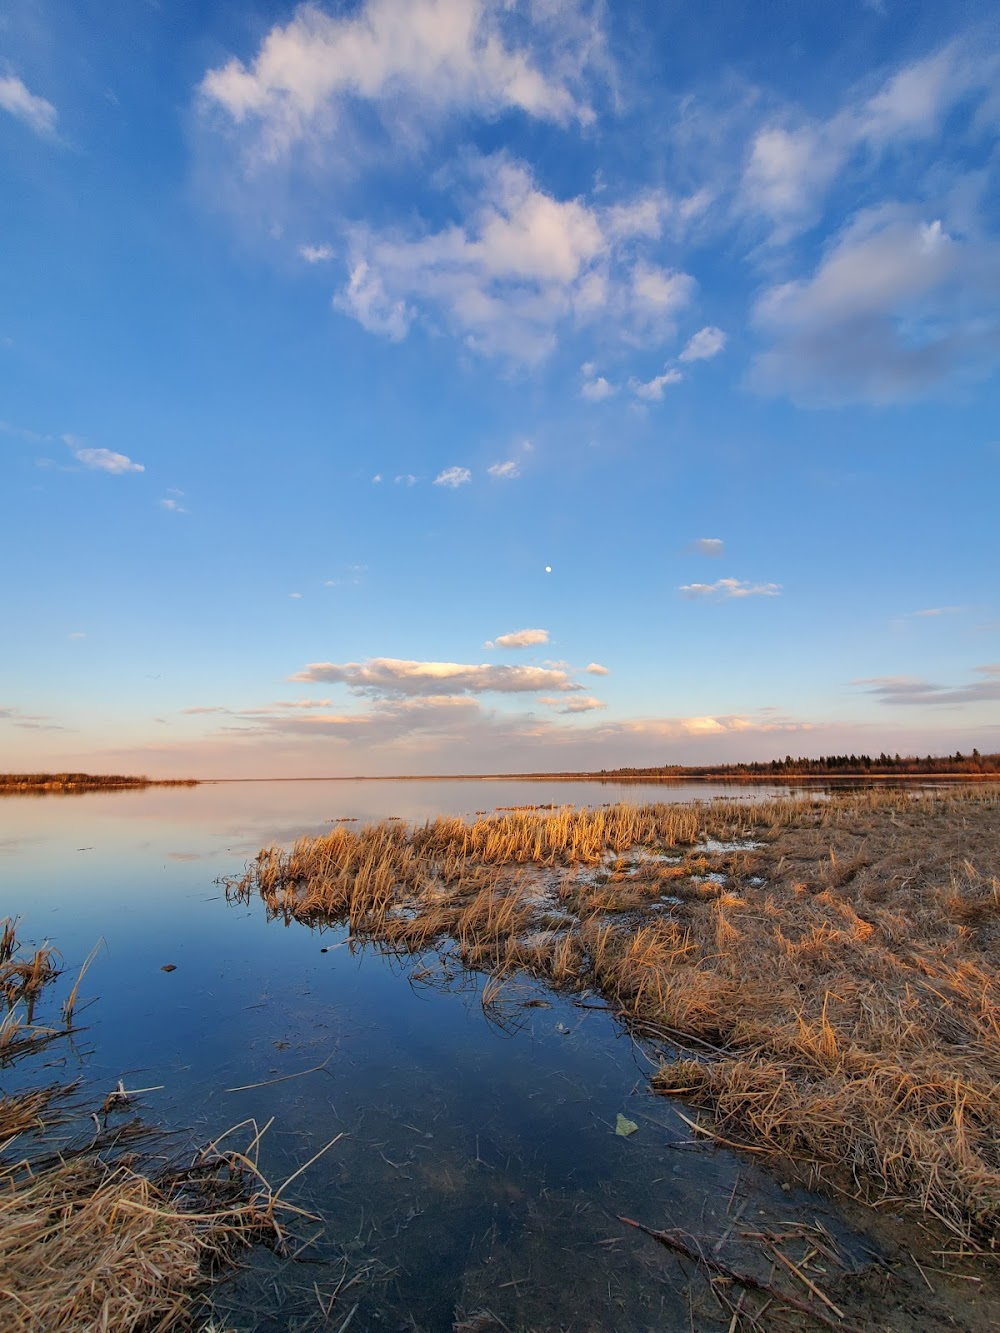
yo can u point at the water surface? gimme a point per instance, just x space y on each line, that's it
479 1168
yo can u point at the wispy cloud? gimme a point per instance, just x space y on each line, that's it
431 57
396 676
16 717
34 111
596 390
505 471
22 433
101 460
317 254
576 704
711 546
703 345
652 390
792 164
595 669
172 504
522 638
723 589
453 477
906 690
277 709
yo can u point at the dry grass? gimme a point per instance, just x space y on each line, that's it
85 1244
90 1236
22 981
833 974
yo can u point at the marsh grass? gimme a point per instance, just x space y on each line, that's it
827 975
96 1233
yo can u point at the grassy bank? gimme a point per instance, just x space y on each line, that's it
825 968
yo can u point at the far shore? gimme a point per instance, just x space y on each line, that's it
751 779
76 783
12 783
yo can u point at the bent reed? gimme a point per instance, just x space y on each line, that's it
824 968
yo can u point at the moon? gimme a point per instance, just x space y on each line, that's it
548 569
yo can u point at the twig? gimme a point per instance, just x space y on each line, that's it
808 1282
283 1078
70 1004
305 1166
711 1134
674 1242
353 1312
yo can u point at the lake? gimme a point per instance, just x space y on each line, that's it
480 1176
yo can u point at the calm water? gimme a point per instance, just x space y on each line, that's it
479 1169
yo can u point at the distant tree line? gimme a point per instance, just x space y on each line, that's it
833 765
82 781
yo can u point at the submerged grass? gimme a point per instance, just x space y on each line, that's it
93 1235
828 965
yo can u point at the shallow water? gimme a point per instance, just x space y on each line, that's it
479 1168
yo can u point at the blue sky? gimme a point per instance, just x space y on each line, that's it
420 386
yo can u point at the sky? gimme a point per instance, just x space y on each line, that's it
478 386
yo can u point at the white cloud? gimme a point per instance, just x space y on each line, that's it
581 704
597 389
377 478
506 471
396 676
296 596
453 477
406 479
704 344
38 114
896 307
652 390
521 265
726 588
596 669
316 254
713 546
366 300
788 170
103 460
429 57
172 504
659 291
791 166
522 638
77 634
